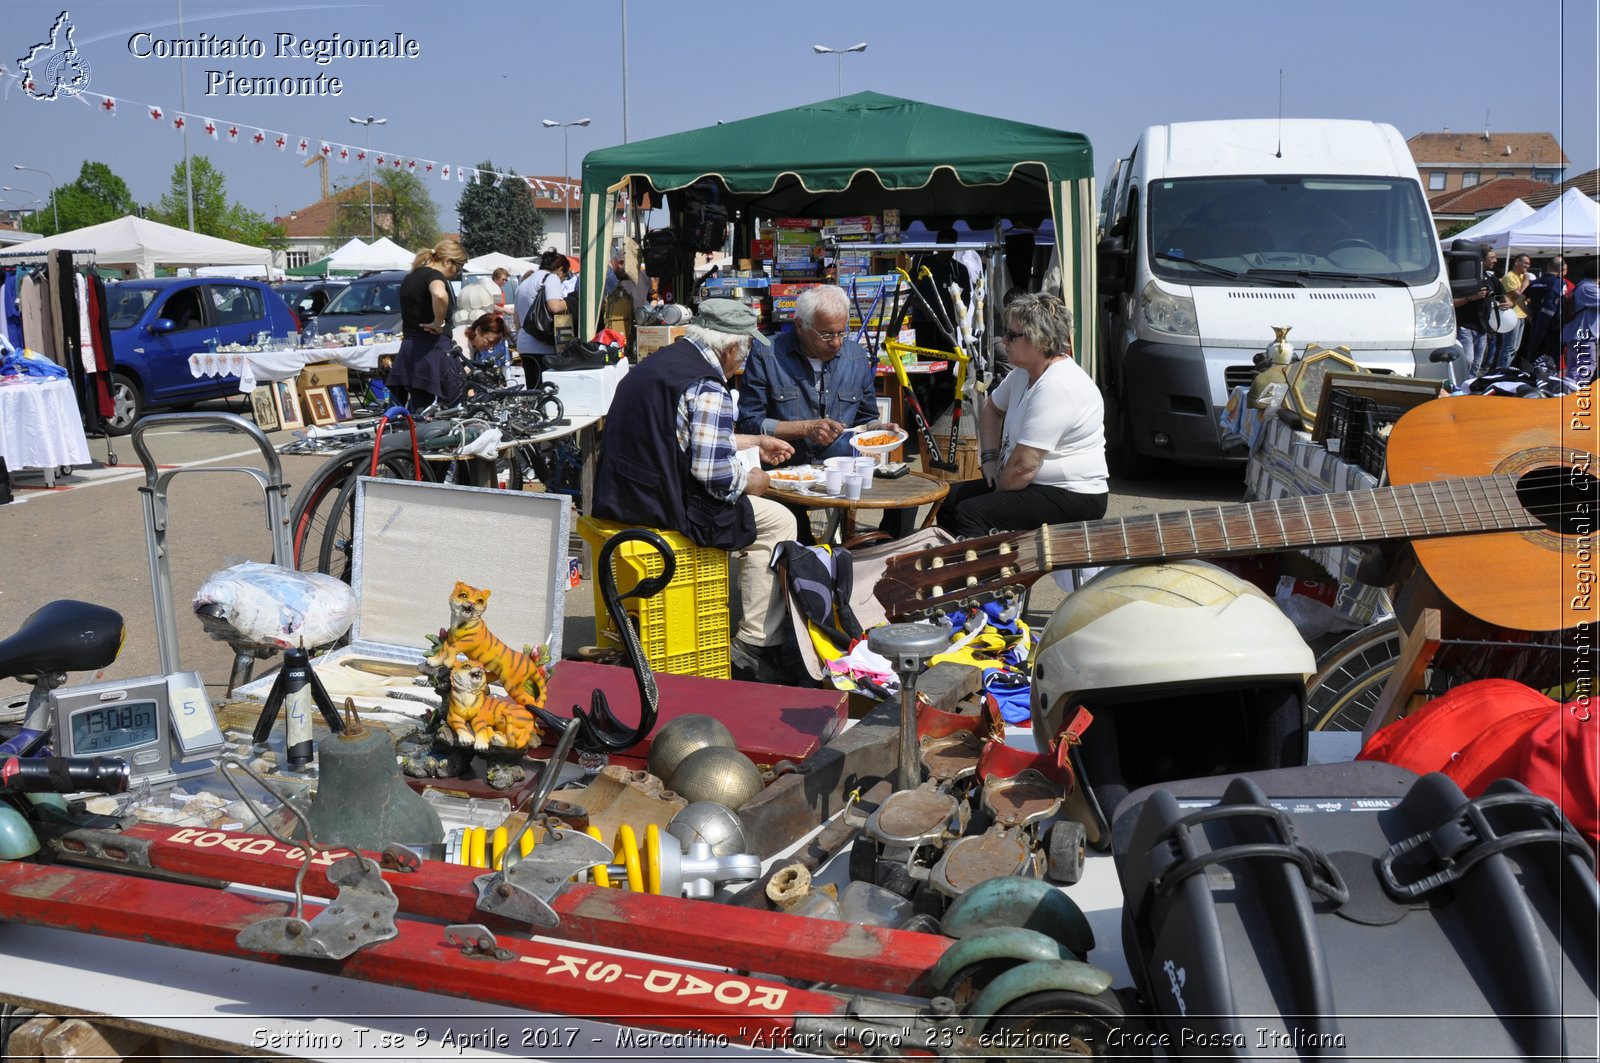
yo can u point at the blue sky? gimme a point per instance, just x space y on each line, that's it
485 74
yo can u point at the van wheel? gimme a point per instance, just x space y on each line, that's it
1124 460
127 405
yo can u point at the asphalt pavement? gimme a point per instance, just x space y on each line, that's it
86 539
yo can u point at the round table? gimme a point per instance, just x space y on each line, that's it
40 427
910 491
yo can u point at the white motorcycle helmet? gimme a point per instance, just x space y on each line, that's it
1188 672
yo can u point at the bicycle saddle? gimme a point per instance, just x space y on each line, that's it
63 636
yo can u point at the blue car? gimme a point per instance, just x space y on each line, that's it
157 324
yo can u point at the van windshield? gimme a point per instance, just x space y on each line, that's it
1336 229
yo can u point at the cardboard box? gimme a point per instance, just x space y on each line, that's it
762 248
322 375
588 392
651 338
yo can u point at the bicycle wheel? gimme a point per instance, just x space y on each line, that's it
1351 676
322 523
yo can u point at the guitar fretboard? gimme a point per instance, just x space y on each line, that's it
1409 511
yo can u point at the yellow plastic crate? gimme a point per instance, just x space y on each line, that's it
685 629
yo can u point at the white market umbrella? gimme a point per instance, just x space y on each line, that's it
1565 226
382 253
1498 222
500 260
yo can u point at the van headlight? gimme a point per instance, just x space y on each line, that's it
1436 318
1172 314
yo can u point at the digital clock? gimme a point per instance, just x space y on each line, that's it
163 726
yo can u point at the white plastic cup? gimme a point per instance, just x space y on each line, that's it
852 486
864 467
833 480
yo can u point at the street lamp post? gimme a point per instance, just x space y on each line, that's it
55 211
566 175
839 54
372 216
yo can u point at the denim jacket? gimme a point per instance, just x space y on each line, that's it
779 385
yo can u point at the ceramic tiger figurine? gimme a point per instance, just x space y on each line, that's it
483 720
522 674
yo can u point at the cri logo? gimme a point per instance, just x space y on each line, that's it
53 68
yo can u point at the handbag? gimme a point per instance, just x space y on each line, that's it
538 322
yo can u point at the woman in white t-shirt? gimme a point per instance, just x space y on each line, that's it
1041 433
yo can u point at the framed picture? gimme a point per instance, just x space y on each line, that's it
339 395
319 407
263 408
289 415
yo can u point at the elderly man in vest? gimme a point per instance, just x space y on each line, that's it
671 461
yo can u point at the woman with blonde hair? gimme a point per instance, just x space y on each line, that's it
423 370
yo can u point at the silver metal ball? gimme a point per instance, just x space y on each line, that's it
717 773
678 738
706 821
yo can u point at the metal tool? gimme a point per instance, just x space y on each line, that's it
908 647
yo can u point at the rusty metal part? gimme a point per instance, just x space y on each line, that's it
916 817
1027 797
952 757
361 915
476 941
524 889
969 861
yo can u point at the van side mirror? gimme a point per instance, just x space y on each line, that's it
163 324
1112 260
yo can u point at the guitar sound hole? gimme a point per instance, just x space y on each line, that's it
1562 499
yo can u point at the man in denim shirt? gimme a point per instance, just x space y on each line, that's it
813 384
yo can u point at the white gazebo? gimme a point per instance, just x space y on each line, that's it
382 253
140 245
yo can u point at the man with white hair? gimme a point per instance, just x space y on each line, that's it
814 383
672 462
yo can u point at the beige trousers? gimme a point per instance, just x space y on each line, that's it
764 607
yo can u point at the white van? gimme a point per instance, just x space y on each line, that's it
1217 231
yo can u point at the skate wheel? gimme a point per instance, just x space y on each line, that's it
977 960
1024 902
1072 1023
1066 852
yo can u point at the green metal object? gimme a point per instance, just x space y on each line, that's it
17 839
1076 979
979 958
1016 901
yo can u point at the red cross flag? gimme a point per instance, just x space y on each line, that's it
444 174
461 173
397 163
326 149
282 142
155 113
109 106
344 154
233 134
360 155
259 137
211 129
428 168
411 167
177 123
303 147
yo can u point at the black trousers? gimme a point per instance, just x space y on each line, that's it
972 508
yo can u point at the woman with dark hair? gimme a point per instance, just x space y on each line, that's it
423 370
480 340
1041 433
548 277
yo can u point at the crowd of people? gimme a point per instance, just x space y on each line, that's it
1543 323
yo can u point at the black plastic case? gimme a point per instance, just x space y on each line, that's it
1355 910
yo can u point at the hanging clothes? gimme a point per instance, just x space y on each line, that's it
100 322
37 331
13 312
80 292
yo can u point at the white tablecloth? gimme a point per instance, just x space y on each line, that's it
255 367
40 427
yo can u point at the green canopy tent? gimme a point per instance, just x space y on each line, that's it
861 154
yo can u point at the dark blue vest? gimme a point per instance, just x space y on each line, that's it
642 477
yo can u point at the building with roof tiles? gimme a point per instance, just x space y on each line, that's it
1450 161
1466 206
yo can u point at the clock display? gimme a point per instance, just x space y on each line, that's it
108 728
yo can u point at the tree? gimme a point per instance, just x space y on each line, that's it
499 217
402 210
214 215
98 195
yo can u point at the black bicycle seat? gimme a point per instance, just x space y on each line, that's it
63 636
433 430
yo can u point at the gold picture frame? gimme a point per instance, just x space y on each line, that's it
319 407
288 400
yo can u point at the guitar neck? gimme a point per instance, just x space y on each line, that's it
976 569
1410 511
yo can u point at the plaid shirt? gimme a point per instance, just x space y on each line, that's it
706 416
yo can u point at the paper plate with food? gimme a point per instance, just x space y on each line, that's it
877 438
795 477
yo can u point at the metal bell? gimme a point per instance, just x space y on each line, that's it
361 800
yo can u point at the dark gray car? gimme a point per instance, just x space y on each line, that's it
371 302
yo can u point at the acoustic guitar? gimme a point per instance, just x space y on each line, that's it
1496 494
